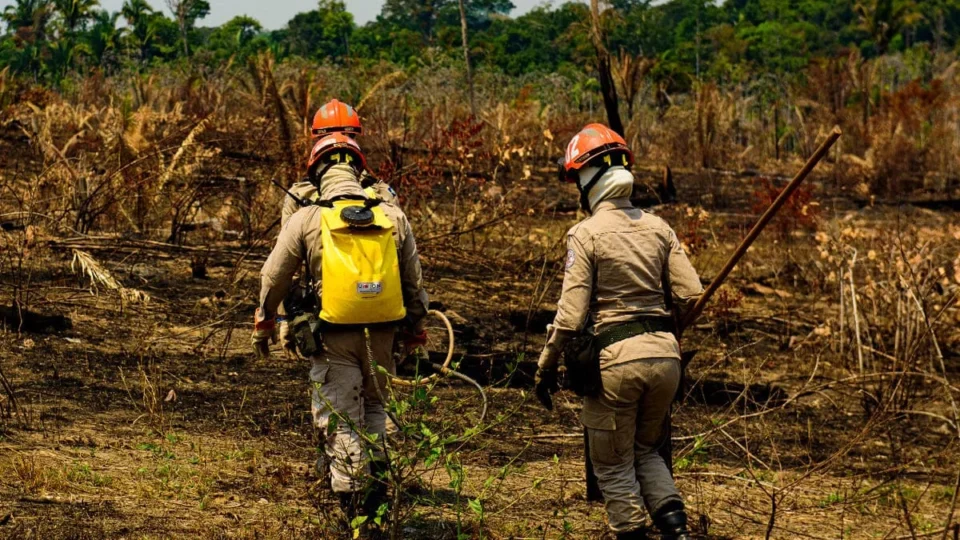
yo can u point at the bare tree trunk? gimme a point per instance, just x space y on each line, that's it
179 8
183 34
697 41
607 87
776 128
466 56
865 83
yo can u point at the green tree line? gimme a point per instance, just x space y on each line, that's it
674 43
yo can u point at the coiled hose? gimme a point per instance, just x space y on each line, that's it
442 369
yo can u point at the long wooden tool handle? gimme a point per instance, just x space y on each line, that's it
758 228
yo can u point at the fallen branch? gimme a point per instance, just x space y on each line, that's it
98 274
461 232
931 534
115 243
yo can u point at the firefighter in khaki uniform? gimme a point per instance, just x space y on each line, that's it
333 117
363 256
617 262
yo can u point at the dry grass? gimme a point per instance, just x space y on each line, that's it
827 372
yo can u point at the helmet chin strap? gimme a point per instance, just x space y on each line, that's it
585 190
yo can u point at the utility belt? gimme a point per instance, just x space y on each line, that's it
308 331
581 356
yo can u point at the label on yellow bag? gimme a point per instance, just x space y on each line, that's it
360 271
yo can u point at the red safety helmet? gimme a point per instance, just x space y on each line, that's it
333 149
594 141
336 117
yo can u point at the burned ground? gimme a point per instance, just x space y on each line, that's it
135 215
153 419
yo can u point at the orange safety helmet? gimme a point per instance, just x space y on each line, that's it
593 141
336 117
595 146
333 149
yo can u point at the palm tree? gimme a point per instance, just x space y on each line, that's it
64 54
884 19
138 14
29 20
64 51
103 39
75 13
21 14
135 10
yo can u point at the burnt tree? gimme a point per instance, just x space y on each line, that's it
607 87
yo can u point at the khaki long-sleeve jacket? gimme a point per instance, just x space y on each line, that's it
299 242
305 191
614 274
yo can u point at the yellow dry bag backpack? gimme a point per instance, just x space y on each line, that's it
360 277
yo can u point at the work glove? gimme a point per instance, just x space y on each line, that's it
287 339
261 341
411 340
546 385
264 333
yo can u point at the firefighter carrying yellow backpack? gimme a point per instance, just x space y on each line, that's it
360 270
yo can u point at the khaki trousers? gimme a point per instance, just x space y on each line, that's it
345 403
624 426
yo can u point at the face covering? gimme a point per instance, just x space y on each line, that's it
616 183
337 178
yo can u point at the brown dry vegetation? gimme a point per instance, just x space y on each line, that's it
823 397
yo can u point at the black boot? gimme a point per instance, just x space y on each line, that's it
376 494
671 521
636 534
348 504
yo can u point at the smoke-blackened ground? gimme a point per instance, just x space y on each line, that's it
152 419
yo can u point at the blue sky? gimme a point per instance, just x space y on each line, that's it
274 14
